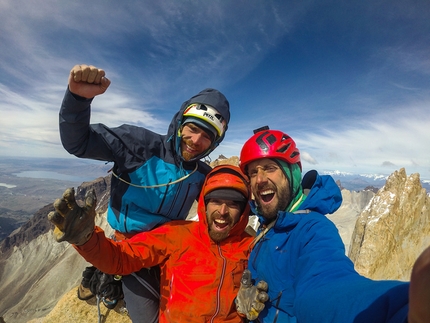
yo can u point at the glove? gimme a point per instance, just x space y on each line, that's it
73 223
250 299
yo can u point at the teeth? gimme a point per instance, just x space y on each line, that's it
267 192
220 221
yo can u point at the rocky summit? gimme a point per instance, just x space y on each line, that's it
384 233
393 229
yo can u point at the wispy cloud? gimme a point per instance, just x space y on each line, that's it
348 80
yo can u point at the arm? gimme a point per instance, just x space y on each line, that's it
122 258
77 136
326 281
75 224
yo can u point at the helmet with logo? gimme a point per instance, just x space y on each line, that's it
206 117
266 143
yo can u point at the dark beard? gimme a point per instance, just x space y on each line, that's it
271 212
219 236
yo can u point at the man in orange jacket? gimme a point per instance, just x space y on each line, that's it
201 262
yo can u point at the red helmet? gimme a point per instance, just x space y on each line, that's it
269 144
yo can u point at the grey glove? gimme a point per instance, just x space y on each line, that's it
73 223
250 299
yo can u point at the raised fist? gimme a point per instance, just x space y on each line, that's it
87 81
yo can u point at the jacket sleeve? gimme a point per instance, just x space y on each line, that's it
327 282
77 135
146 249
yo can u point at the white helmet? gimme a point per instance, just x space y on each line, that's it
207 117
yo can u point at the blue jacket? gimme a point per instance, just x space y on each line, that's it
142 159
310 278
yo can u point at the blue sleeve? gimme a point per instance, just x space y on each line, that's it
79 138
328 289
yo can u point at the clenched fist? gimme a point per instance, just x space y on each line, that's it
250 299
87 81
73 223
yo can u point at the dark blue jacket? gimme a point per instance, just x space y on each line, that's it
310 278
143 192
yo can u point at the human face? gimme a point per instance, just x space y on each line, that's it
222 215
270 187
194 141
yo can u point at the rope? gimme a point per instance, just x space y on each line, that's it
159 185
98 309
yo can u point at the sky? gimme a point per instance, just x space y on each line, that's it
349 81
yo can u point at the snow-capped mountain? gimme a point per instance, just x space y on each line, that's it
358 182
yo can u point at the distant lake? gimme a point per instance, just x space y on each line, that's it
52 175
7 185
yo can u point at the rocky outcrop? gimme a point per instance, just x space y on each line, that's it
225 161
353 203
393 229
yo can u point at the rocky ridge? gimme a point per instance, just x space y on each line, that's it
393 229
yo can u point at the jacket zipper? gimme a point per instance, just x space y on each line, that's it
164 197
125 218
218 293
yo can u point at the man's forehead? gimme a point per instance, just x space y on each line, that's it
261 162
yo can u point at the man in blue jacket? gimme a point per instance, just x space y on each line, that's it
155 178
300 254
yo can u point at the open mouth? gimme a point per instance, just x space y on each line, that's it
267 195
220 224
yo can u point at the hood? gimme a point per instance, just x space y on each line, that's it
324 197
225 176
210 97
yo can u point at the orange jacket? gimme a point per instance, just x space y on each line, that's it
199 278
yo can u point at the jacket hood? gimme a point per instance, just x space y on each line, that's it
229 177
207 96
324 197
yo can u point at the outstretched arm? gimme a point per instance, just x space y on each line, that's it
75 224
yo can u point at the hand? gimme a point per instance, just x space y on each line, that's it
73 223
87 81
250 299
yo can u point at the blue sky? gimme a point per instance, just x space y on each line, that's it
348 80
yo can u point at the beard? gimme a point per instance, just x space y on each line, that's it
185 154
270 211
216 235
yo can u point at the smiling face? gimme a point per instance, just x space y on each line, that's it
194 141
270 187
222 215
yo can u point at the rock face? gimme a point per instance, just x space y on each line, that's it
393 230
353 203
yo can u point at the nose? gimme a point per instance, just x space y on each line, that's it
196 138
223 209
261 176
